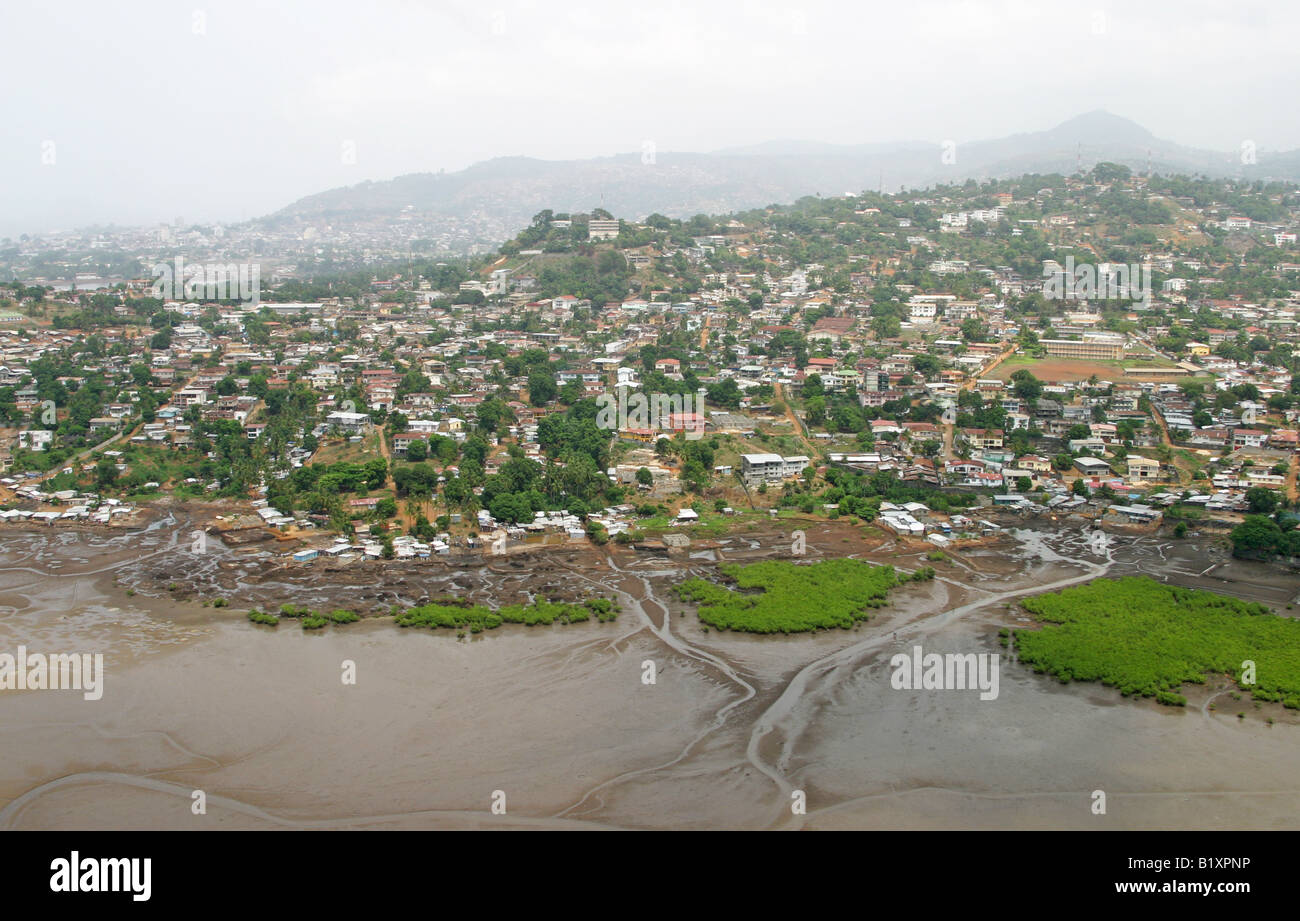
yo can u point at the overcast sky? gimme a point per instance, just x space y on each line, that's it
225 110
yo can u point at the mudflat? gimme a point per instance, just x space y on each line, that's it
558 725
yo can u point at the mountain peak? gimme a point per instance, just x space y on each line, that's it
1101 127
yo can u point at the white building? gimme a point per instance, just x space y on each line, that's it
771 468
758 468
922 312
35 439
352 423
602 228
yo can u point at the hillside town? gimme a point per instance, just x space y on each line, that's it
1117 346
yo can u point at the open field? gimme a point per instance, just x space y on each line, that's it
335 451
1075 369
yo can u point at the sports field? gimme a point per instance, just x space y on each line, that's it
1075 369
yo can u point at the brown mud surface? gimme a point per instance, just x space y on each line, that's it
561 720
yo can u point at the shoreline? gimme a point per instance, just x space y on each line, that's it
561 719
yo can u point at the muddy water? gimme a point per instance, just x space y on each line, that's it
560 721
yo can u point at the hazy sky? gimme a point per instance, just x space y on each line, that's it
225 110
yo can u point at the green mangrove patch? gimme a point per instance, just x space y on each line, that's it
780 596
452 613
1147 638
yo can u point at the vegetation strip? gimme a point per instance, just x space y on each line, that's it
456 613
1147 638
779 596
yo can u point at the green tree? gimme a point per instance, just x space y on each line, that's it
541 388
1027 387
1261 500
1255 537
105 473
